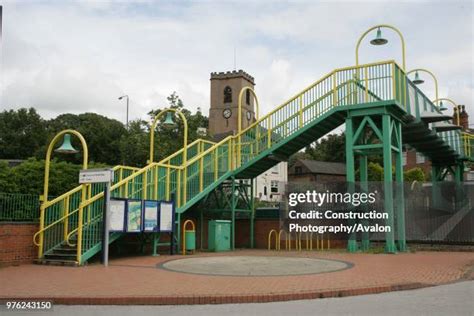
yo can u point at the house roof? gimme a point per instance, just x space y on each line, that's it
324 167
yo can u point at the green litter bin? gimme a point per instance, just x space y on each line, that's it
219 235
190 236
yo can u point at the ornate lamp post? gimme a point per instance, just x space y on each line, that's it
65 148
418 80
379 40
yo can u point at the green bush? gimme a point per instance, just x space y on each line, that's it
414 174
28 177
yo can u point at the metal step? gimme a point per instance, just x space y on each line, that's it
56 262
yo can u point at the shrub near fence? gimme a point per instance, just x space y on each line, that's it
19 207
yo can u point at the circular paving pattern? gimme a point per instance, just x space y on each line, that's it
254 265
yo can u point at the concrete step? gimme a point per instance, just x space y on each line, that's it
56 262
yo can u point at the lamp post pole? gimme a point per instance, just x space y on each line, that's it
120 98
169 121
380 41
420 81
239 119
44 197
456 108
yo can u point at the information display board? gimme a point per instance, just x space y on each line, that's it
166 216
117 215
150 216
134 216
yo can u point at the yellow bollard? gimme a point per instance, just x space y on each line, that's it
286 239
269 239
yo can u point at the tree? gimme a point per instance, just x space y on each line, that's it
134 144
7 184
102 134
28 177
169 140
414 174
331 148
22 132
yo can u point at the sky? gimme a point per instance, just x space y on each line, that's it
80 56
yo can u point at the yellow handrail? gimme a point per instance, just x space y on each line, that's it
98 196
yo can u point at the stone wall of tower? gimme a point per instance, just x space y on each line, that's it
236 80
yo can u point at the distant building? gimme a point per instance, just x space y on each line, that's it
270 185
223 119
305 170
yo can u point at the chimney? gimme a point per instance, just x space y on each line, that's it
463 117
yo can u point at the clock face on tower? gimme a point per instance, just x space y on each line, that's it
249 115
227 113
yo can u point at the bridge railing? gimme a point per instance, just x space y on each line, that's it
468 145
59 217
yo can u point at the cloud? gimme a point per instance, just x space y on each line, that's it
80 56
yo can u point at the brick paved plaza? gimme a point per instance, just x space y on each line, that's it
140 280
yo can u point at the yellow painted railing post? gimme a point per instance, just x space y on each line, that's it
269 137
366 75
126 189
168 181
216 164
145 184
334 89
201 174
120 179
66 213
185 181
229 154
80 221
88 188
300 111
394 91
155 182
178 188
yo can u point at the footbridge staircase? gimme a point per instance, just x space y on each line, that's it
378 96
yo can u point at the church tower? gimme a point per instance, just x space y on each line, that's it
223 112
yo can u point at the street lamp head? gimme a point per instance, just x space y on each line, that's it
417 79
442 107
378 40
123 96
169 120
66 147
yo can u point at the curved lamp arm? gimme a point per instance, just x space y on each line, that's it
432 76
239 116
455 107
381 26
153 127
50 150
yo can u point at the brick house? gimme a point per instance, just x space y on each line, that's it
316 171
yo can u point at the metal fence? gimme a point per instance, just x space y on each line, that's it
19 207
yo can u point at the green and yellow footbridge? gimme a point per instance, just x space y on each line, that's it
378 97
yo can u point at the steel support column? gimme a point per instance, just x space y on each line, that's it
350 176
388 183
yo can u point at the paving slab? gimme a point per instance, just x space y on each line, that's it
140 280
